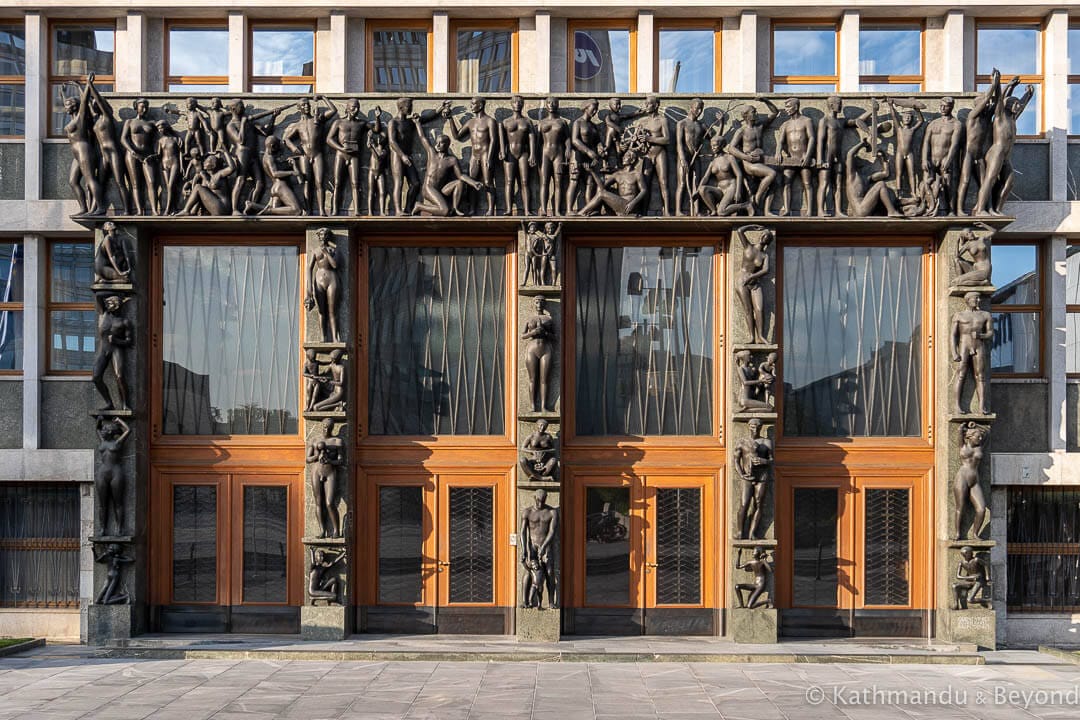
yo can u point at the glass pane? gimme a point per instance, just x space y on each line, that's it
1015 275
436 363
230 363
472 551
266 541
11 272
11 340
890 88
607 546
281 89
890 51
601 61
852 341
789 89
282 51
1016 343
1074 111
687 61
195 89
12 109
644 347
1072 343
74 338
71 268
198 51
401 544
1012 50
887 549
12 49
1074 51
678 546
83 49
1050 580
815 563
58 116
804 51
399 59
484 61
39 545
194 543
1030 121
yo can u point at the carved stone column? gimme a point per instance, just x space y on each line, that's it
751 492
539 343
329 422
964 332
121 467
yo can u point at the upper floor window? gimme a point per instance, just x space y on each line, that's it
11 307
804 58
1017 309
12 80
686 56
603 56
1074 80
75 51
1072 310
71 314
1016 50
197 59
282 59
891 58
485 55
399 56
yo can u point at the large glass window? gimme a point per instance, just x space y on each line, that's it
1017 309
76 51
230 329
1074 80
194 543
484 58
1015 50
602 58
644 341
890 58
1072 309
12 80
804 58
266 538
1043 549
39 545
399 57
852 341
71 313
436 363
198 58
686 58
11 307
282 59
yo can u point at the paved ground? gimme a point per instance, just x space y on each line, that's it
68 682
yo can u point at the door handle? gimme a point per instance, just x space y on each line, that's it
650 565
441 564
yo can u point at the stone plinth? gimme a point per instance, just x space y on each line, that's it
753 626
535 625
106 623
326 623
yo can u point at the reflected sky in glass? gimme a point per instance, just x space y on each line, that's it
1074 109
692 52
282 52
198 51
890 88
1013 263
890 51
281 89
190 89
804 51
1013 51
799 89
1074 51
602 61
78 49
1028 122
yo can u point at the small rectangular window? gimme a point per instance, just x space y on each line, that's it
76 50
1043 550
603 56
481 63
395 47
39 545
11 307
890 58
282 59
1072 310
72 316
1074 80
198 58
12 80
1016 50
686 58
804 58
1017 309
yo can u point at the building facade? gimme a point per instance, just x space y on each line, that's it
677 356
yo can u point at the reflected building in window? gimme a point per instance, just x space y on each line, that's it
484 62
400 61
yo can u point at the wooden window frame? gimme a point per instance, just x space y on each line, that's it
628 24
15 307
456 26
374 26
1037 308
15 79
716 26
889 79
1036 79
251 80
52 306
171 79
52 79
775 79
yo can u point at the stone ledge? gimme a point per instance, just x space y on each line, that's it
22 465
962 290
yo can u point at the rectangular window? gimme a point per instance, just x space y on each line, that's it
11 307
396 46
887 547
266 533
804 58
71 313
1017 308
1072 310
1074 80
687 57
401 544
644 341
1016 50
12 80
891 58
197 58
39 545
852 351
437 348
75 51
603 56
1043 551
194 543
484 55
282 58
230 329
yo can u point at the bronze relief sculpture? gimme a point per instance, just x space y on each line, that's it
972 581
762 568
966 488
972 331
324 285
538 537
322 583
112 592
109 481
754 265
539 334
112 265
753 463
539 461
114 339
972 263
325 455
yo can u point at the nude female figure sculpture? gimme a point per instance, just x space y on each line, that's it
111 261
283 199
206 190
322 585
109 482
324 460
139 139
324 285
972 263
518 154
966 488
169 147
77 130
539 353
753 463
111 160
753 266
114 338
242 131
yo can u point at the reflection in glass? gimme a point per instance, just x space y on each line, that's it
12 50
678 546
230 325
687 61
74 337
890 88
266 542
11 339
11 272
198 51
795 89
804 51
401 544
194 543
472 550
1046 576
890 51
83 49
208 89
71 266
1015 348
1015 275
1029 121
644 341
1072 343
484 61
13 95
40 533
852 341
58 117
399 60
1013 50
281 88
1074 51
607 546
279 52
12 109
1074 112
437 340
815 564
887 551
601 61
